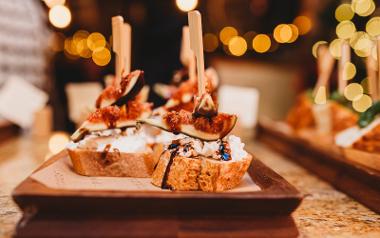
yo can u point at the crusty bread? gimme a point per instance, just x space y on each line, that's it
199 173
114 164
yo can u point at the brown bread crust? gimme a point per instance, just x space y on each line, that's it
201 173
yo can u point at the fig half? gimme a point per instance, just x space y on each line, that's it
128 89
89 126
193 128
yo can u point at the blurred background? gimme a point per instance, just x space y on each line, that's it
63 49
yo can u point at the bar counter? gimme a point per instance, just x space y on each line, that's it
324 212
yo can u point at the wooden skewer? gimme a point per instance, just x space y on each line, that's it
378 66
196 44
187 55
372 78
117 32
325 66
345 57
126 46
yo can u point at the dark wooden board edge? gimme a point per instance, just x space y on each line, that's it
277 197
361 183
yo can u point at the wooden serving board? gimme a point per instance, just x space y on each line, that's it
360 182
265 212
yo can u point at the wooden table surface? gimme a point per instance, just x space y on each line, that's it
325 212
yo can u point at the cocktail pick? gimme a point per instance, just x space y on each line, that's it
372 78
187 55
117 32
204 104
344 59
126 47
325 66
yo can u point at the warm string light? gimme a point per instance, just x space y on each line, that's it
86 45
361 42
186 5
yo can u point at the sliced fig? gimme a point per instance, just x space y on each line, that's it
196 127
112 122
129 87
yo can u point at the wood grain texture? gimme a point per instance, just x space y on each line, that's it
358 181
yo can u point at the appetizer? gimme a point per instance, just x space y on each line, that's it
107 143
202 157
319 120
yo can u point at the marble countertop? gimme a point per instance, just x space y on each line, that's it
324 212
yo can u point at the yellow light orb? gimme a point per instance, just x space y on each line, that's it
361 7
357 36
261 43
349 70
58 141
227 33
96 41
186 5
353 91
101 56
295 33
320 96
237 46
59 16
282 33
370 10
335 48
345 29
344 12
210 42
362 103
373 26
303 23
363 47
52 3
314 49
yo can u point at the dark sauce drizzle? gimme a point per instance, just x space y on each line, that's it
105 153
173 147
225 151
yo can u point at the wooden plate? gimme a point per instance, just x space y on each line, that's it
276 196
358 181
64 213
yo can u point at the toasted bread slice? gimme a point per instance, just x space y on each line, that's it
200 173
90 162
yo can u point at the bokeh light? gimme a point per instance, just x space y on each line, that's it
373 26
320 96
335 48
186 5
210 42
227 33
363 47
58 141
261 43
59 16
362 103
96 41
303 23
314 49
282 33
237 46
349 70
52 3
101 56
295 33
363 7
345 29
353 91
344 12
